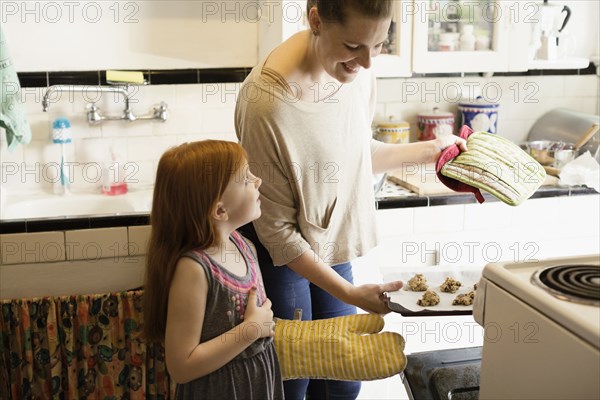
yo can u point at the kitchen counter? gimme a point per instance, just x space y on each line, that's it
391 196
395 196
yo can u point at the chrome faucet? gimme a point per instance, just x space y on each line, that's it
94 116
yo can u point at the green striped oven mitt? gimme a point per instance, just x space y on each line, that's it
493 164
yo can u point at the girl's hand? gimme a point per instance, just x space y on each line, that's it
444 141
261 317
371 297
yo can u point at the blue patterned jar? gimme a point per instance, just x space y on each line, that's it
480 115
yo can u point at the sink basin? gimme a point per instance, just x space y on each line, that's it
47 206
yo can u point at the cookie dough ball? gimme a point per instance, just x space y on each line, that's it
430 298
464 299
418 283
450 285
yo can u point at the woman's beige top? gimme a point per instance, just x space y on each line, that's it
314 158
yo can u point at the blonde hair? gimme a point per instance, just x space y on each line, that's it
190 180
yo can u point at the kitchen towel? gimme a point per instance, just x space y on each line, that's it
12 115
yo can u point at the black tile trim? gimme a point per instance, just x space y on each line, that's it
33 79
224 75
88 78
175 77
402 202
61 224
114 221
453 199
72 223
13 226
152 77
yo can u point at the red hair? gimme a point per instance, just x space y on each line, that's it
190 180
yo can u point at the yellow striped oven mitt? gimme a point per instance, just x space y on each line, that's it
347 348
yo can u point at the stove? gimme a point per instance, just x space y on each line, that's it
575 283
541 325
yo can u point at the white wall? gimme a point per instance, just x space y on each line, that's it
148 34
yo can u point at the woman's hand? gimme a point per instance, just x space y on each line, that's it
444 141
371 297
260 317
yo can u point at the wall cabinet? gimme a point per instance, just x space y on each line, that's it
468 36
430 36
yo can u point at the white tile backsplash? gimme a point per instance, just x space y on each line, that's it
438 219
399 221
183 120
206 111
149 148
581 86
482 216
218 120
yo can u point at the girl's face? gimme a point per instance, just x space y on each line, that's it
241 197
344 49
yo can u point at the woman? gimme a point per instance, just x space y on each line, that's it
304 117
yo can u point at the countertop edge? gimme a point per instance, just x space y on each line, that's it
141 218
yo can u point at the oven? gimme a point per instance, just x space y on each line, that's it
541 325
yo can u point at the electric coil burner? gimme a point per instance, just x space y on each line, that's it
575 283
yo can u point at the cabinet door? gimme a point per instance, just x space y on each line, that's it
460 36
395 59
279 20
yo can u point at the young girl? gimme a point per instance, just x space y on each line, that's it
204 295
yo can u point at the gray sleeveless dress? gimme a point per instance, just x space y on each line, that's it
253 374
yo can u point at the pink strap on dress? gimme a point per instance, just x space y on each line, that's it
448 154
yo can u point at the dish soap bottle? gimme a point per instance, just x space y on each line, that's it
61 134
113 174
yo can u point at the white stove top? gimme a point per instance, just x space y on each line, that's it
515 278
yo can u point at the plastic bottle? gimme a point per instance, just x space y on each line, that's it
61 134
113 175
434 36
467 39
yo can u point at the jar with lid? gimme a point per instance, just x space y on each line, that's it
448 41
433 124
392 130
480 115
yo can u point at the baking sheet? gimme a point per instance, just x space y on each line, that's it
404 301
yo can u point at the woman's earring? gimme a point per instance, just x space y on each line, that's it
315 32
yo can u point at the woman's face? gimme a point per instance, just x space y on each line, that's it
344 49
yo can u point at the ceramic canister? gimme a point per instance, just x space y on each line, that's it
392 130
435 123
480 115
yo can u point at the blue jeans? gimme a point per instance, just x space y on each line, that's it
287 291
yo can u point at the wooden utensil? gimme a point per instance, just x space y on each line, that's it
586 136
552 170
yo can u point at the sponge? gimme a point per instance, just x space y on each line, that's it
136 77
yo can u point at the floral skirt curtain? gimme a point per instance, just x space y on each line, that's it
76 347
